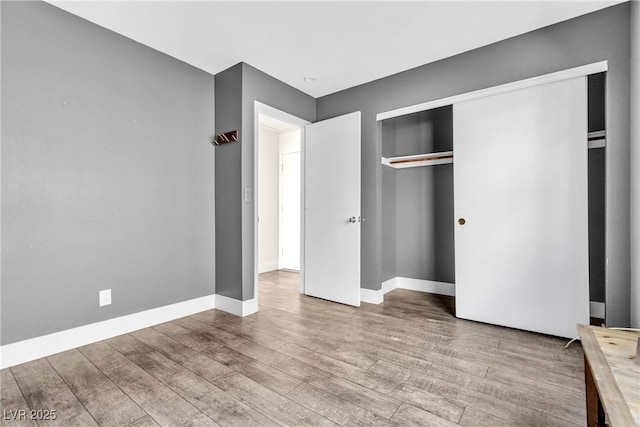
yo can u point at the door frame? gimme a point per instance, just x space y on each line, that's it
267 110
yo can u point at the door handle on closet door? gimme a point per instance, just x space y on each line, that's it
461 221
353 219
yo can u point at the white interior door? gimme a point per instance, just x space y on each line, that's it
332 209
521 187
290 211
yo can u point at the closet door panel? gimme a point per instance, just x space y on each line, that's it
521 187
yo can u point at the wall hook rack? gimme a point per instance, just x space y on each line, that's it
226 137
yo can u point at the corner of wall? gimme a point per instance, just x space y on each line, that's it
635 164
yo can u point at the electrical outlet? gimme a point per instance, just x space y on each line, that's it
105 297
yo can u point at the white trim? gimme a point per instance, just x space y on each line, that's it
371 296
377 296
237 307
46 345
584 70
268 266
389 285
303 171
431 286
596 309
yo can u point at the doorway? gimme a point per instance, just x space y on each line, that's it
278 192
329 229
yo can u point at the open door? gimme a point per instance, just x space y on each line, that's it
332 209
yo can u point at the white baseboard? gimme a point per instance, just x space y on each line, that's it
237 307
371 296
377 296
268 266
431 286
46 345
389 285
596 309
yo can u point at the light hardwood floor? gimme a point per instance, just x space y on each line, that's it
305 361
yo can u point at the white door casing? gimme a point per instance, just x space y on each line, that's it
332 216
521 186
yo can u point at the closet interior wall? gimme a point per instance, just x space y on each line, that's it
596 172
417 202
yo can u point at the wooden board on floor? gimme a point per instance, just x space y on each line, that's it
610 355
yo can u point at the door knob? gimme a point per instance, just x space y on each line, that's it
461 221
353 219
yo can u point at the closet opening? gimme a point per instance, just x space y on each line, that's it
417 201
596 173
417 193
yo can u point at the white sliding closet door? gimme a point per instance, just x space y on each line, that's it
521 187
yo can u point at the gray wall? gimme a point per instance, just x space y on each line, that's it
603 35
107 174
597 178
228 157
389 218
236 90
635 164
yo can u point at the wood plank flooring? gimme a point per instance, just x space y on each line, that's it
302 361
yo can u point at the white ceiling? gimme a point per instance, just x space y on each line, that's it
342 44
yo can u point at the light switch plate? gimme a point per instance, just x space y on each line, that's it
105 297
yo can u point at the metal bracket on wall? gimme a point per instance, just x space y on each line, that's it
226 137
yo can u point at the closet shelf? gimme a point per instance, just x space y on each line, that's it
429 159
596 139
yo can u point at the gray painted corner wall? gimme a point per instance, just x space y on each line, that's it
107 174
635 164
603 35
597 256
258 86
228 185
236 90
596 175
388 214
